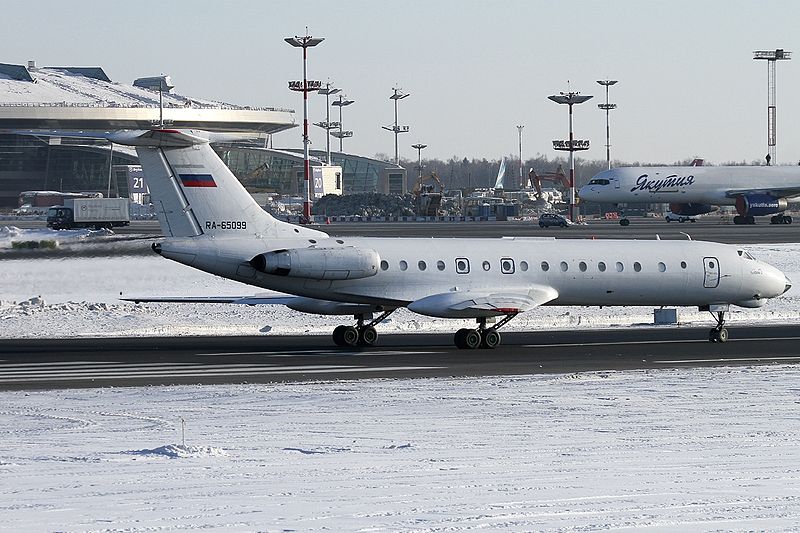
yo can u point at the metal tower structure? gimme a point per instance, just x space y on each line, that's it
305 42
572 145
607 107
398 95
341 134
521 182
771 57
326 124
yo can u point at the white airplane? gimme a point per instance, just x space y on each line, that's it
211 223
696 190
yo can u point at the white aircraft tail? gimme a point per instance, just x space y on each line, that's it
195 194
501 174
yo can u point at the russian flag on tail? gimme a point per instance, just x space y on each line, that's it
197 180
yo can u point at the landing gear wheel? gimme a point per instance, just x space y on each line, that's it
472 339
491 338
368 337
338 335
718 335
458 340
350 336
624 222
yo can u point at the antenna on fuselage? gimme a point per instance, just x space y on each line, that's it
687 235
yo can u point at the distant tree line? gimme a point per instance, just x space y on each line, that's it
465 173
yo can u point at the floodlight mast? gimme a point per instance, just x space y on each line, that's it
327 125
398 95
340 103
305 43
573 145
771 56
419 147
521 182
607 107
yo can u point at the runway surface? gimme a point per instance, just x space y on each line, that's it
80 363
707 229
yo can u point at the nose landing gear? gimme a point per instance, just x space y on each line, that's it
719 333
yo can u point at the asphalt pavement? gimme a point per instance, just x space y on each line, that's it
95 362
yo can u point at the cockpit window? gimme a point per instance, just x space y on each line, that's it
599 181
746 255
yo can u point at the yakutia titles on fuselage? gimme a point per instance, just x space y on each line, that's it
695 190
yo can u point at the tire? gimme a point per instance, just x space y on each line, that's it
722 335
458 338
368 336
787 219
668 219
681 220
472 339
491 339
338 335
350 336
624 222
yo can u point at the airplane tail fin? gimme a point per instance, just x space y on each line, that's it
196 194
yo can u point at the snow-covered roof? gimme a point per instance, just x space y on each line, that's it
85 86
85 98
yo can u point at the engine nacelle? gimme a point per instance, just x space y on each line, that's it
319 263
758 205
692 209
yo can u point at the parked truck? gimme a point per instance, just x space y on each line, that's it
89 213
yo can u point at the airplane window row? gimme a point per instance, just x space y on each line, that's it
507 266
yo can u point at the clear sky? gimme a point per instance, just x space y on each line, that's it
688 85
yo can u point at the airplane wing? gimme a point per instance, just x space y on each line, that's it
246 300
297 303
475 304
778 192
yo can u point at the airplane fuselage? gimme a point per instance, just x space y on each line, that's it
583 272
684 185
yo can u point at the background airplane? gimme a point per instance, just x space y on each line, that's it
696 190
211 223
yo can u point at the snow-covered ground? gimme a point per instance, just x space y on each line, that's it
66 296
690 449
708 449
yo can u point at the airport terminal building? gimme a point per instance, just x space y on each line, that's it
85 98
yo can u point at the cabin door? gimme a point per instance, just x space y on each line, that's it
711 268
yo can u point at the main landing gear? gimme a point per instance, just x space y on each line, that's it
781 219
719 333
360 334
482 337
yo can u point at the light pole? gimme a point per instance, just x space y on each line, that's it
771 57
341 102
305 43
419 147
608 107
573 145
521 183
398 95
327 125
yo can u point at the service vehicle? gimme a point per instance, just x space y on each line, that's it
94 213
